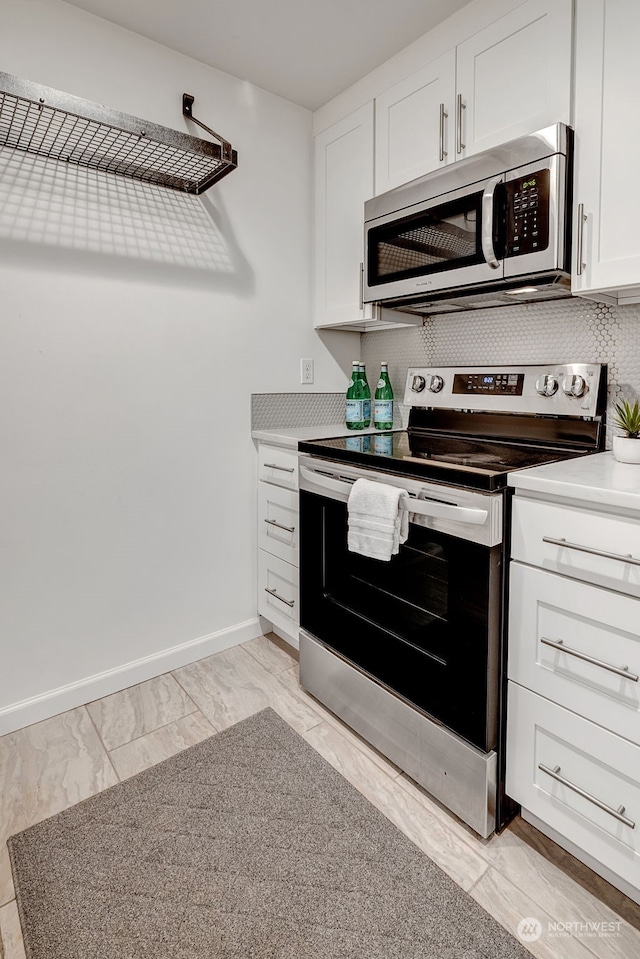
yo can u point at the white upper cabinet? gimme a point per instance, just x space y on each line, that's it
343 181
414 124
514 77
607 93
509 79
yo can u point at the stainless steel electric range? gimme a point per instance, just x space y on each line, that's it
411 653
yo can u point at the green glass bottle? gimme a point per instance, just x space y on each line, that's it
355 400
366 398
383 401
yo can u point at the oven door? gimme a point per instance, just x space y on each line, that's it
425 625
452 240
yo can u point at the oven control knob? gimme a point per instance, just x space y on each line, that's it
574 385
435 384
546 385
418 383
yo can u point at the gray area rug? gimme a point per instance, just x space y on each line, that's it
246 846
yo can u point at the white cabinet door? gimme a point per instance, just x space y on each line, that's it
607 93
579 543
278 593
514 77
414 124
578 778
278 521
577 645
278 466
343 181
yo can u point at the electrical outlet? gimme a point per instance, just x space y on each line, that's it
306 371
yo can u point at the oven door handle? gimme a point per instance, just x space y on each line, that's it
460 514
424 507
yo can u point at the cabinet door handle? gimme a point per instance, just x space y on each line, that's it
288 529
580 265
618 670
629 558
362 286
443 116
284 469
272 592
460 106
616 813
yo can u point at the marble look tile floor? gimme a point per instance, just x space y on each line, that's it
54 764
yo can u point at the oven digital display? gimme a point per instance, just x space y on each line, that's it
489 384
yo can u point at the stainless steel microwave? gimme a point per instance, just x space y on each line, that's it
488 230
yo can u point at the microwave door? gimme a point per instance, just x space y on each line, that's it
443 243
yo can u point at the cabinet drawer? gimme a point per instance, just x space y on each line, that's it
588 622
535 524
591 795
278 521
278 466
278 591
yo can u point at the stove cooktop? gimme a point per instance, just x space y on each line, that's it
471 426
480 464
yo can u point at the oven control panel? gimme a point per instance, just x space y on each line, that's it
565 389
488 384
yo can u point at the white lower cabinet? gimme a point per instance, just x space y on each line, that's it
573 715
278 522
578 542
278 528
278 594
577 777
278 466
577 645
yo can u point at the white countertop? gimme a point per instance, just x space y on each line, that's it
597 478
289 436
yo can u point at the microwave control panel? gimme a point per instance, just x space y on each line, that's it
527 213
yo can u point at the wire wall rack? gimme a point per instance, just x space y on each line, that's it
47 122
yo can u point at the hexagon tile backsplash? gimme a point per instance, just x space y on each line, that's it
563 331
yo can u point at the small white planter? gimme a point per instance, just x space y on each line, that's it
626 449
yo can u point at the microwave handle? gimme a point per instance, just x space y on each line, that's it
486 235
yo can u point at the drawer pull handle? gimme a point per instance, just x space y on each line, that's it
272 592
618 670
287 529
274 466
595 552
616 813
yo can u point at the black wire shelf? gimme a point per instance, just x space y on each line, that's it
47 122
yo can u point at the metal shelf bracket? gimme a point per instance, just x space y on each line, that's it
187 111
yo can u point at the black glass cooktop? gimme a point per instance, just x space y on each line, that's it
481 464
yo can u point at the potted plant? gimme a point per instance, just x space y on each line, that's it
626 448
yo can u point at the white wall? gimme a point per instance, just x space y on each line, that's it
128 482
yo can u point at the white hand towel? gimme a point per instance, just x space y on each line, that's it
377 524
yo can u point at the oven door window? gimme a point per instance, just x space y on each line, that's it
425 624
444 237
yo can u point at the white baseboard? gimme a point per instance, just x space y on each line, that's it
59 700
